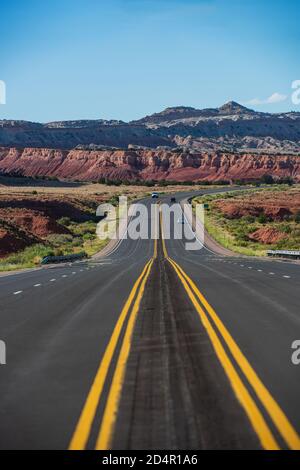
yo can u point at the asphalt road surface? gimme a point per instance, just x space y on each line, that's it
151 347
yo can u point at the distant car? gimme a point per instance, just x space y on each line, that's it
173 199
181 220
155 195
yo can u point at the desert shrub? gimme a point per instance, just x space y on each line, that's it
85 227
59 239
77 241
297 217
88 236
58 252
295 233
114 200
287 180
249 219
267 179
286 229
29 256
66 221
262 218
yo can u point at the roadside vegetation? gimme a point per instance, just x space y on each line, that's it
254 221
18 202
71 233
81 238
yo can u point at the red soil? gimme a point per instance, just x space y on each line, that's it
26 220
10 242
274 205
32 221
267 235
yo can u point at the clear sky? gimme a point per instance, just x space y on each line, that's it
123 59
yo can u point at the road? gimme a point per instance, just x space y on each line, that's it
151 347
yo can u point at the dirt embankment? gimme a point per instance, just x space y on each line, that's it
268 207
92 165
27 219
274 205
29 212
267 235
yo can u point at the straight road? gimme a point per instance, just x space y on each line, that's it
151 347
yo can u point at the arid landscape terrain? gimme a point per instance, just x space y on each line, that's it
41 218
145 165
47 201
178 144
140 331
253 222
231 127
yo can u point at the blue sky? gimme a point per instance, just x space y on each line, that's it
123 59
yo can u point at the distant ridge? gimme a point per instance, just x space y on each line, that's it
230 127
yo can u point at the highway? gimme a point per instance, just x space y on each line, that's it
151 346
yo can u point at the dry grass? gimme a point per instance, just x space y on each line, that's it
233 232
88 190
85 197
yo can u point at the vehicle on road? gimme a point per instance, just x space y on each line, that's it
173 199
155 195
181 220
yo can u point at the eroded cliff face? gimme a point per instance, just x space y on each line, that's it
91 165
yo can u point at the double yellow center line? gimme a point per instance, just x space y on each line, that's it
84 425
216 330
242 378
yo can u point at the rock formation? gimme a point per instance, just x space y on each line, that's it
92 165
230 127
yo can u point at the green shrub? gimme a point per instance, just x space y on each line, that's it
27 258
88 236
250 219
262 218
66 221
267 179
286 229
297 217
59 239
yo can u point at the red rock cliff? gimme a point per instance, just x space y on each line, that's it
88 165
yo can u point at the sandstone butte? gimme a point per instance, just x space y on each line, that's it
91 165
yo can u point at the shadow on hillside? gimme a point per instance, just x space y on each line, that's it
37 182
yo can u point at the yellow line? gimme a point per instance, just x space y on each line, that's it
260 426
83 428
155 249
111 408
162 238
278 417
155 240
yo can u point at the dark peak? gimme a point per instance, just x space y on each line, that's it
171 113
232 107
185 112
